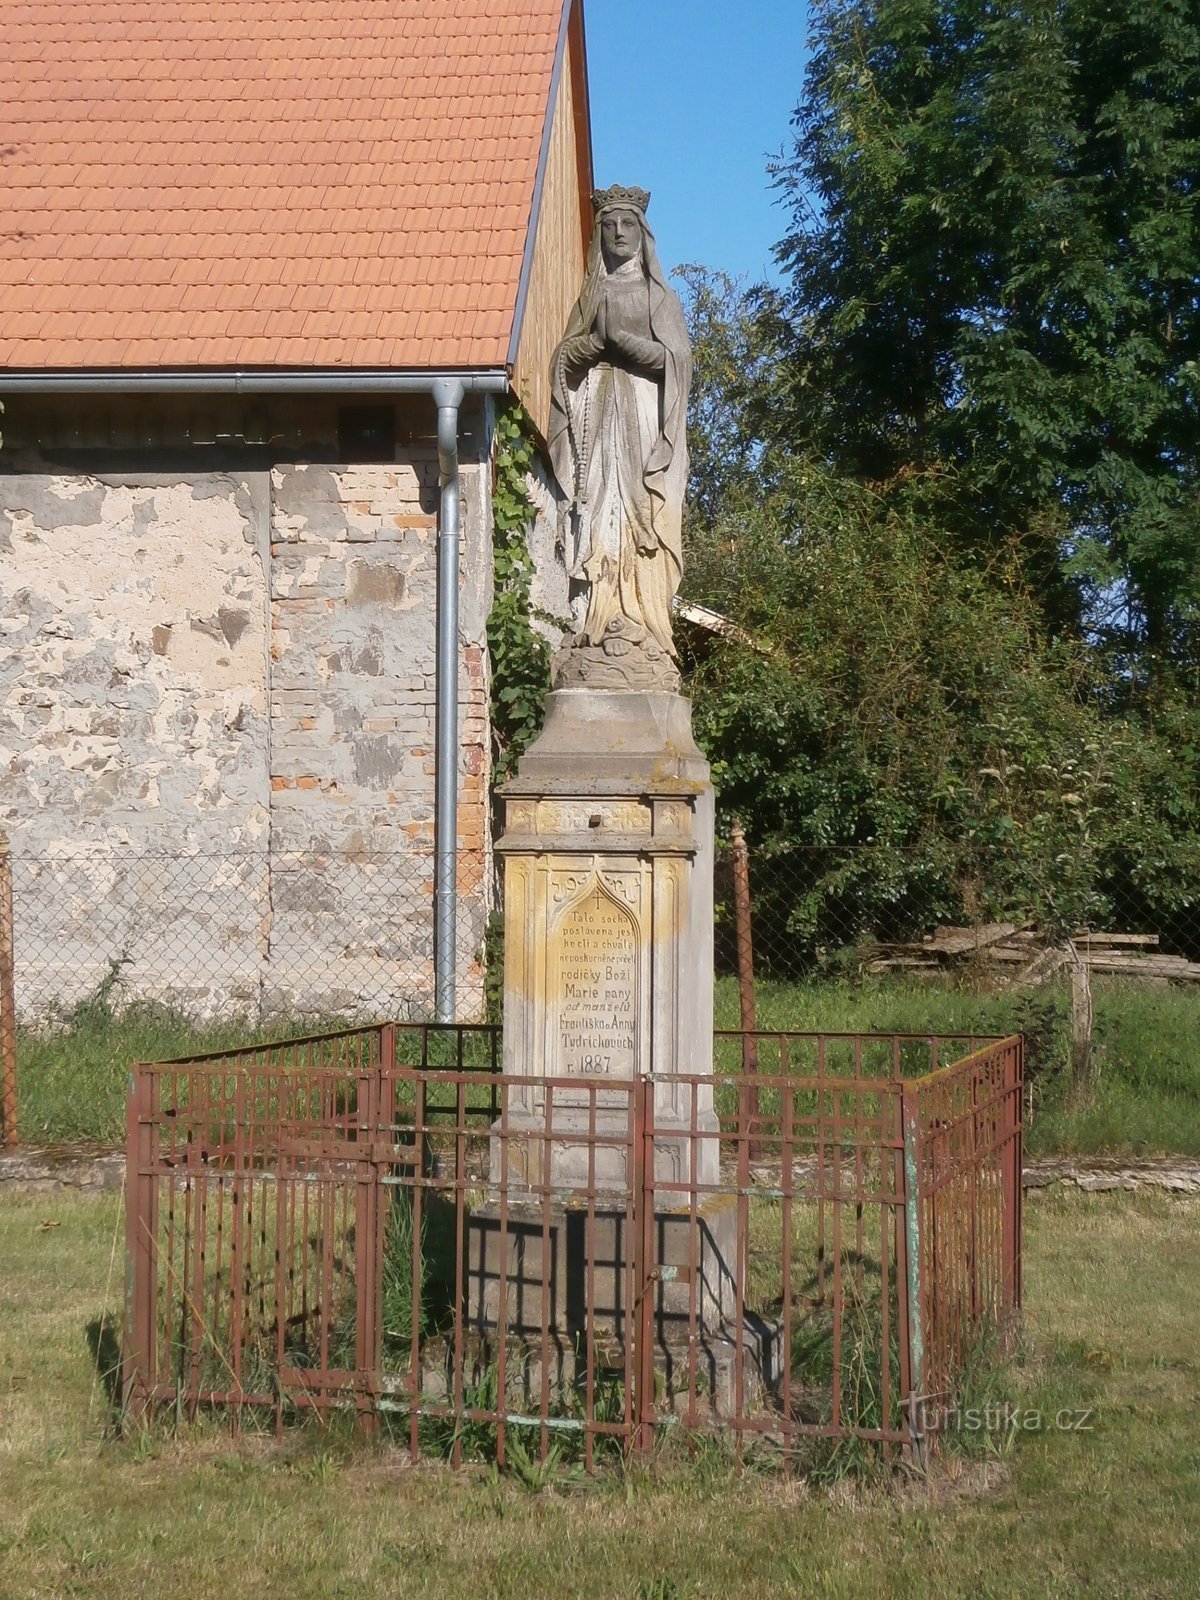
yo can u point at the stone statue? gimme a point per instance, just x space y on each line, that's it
619 391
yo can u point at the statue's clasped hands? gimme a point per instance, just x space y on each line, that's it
585 349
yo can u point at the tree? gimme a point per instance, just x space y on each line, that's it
729 366
993 275
906 745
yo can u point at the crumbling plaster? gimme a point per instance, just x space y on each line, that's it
133 704
233 670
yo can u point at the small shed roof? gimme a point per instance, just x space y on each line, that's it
267 183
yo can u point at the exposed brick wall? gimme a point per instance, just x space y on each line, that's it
352 601
237 662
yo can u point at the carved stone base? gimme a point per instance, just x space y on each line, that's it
627 658
608 851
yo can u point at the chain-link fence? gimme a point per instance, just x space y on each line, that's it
1103 982
255 936
861 911
841 937
294 934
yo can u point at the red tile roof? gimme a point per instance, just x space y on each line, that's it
267 182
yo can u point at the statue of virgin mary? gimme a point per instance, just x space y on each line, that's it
619 391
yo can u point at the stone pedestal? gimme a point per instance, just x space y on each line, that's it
608 870
608 979
558 1283
570 1271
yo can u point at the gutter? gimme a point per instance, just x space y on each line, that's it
448 390
239 380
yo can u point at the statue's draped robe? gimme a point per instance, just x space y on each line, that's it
617 445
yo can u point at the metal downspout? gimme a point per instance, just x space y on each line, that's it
448 395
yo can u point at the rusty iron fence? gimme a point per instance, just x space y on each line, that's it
539 1270
966 1185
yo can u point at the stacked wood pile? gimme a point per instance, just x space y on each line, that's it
1023 956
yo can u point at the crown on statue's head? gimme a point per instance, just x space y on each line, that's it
610 199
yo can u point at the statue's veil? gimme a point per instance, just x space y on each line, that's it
596 273
668 459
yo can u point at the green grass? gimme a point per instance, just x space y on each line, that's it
73 1079
1113 1300
1146 1095
72 1082
1146 1098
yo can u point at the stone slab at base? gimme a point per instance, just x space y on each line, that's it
719 1376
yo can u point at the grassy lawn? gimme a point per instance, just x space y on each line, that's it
1113 1301
1146 1098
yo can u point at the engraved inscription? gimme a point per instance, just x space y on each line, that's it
597 988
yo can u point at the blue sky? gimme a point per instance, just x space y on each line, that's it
690 98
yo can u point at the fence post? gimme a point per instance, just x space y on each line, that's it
915 1331
368 1246
1082 1018
138 1355
8 999
745 960
645 1276
1014 1075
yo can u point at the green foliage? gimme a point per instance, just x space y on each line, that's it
906 746
992 273
946 479
728 363
520 656
396 1286
493 964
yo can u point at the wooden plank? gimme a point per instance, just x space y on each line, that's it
1151 966
1114 939
906 961
966 941
1043 966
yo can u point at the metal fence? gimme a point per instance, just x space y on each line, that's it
873 910
274 935
538 1270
